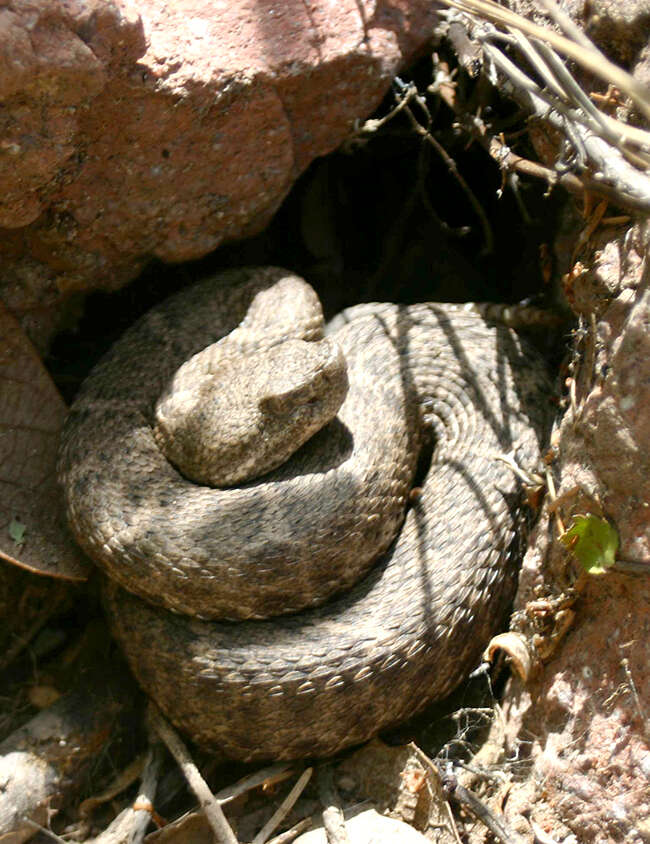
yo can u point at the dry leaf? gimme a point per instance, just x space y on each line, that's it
515 647
190 827
395 780
33 532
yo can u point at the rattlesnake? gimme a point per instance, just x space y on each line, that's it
299 624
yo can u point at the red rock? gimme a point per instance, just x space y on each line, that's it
164 129
577 734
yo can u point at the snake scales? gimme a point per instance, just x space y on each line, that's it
300 624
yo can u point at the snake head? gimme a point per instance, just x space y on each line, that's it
253 413
306 380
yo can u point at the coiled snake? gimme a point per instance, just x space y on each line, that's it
323 600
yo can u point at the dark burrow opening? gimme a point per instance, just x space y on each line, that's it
382 219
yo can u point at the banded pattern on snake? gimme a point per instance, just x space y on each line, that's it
322 601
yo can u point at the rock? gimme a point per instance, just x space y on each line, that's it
604 449
621 28
580 727
574 742
149 129
581 724
368 827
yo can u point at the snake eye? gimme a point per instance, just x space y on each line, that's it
289 400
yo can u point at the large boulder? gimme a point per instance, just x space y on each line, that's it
151 129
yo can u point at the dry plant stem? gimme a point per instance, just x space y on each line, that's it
143 804
593 119
409 94
588 56
435 787
451 821
373 124
481 812
475 806
579 109
130 826
509 161
284 808
618 172
333 820
567 111
574 33
265 776
210 805
611 167
538 63
294 832
488 237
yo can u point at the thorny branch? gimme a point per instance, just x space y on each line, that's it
602 155
573 44
599 154
470 802
425 132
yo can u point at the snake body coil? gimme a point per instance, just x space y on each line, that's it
312 606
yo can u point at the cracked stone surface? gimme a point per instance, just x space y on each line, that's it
132 130
575 740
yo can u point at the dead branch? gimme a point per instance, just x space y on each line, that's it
581 50
481 812
129 826
207 801
284 808
609 157
333 820
265 776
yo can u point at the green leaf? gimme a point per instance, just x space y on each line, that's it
593 541
17 531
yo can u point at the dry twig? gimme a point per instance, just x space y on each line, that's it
408 95
294 832
581 50
611 157
333 820
265 776
480 811
207 801
473 805
130 826
284 808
